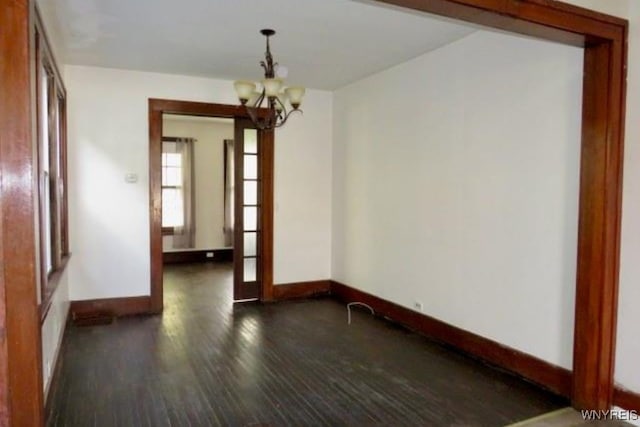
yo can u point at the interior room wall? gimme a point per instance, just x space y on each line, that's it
455 186
108 137
208 164
53 328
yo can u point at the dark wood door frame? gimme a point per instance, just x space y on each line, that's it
604 39
21 395
245 290
158 107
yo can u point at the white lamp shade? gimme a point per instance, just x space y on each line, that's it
295 94
254 98
244 89
272 86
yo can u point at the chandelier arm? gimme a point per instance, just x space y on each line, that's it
284 120
284 108
258 102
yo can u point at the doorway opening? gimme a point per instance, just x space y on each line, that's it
211 196
197 203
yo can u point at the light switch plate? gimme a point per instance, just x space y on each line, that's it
131 178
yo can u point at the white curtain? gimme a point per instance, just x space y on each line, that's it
185 236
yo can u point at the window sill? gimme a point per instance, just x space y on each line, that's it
169 231
53 280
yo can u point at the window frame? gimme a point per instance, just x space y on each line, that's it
57 240
171 231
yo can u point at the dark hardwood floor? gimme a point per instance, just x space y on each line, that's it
207 362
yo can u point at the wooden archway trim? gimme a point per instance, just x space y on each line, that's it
604 39
158 107
21 395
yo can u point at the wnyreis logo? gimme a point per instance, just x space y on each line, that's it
611 414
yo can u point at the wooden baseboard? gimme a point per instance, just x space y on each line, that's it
552 377
180 257
296 290
626 399
126 306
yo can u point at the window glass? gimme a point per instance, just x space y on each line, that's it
172 207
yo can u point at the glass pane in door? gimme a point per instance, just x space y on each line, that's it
247 257
250 244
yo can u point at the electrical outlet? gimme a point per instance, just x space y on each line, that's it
209 254
417 305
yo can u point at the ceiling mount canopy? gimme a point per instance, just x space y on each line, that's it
272 95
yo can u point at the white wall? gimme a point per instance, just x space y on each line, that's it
627 373
108 137
208 167
53 328
456 185
303 195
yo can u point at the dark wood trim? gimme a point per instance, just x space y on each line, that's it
266 161
181 257
544 19
190 108
38 24
178 139
600 182
296 290
626 399
118 307
155 206
157 107
54 279
552 377
64 231
56 130
168 231
604 39
21 393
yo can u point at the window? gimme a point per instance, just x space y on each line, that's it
178 215
51 169
172 187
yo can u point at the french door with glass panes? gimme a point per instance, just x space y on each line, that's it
247 229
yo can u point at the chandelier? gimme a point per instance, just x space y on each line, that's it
272 96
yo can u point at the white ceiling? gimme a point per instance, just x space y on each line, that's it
325 44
